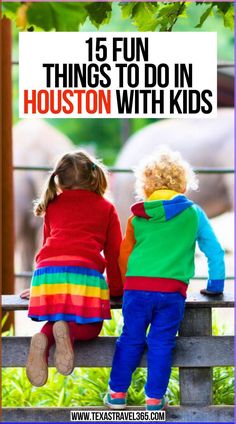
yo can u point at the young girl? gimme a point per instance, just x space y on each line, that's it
157 262
82 237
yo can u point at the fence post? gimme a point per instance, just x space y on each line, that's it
6 195
196 383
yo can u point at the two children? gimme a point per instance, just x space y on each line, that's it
156 262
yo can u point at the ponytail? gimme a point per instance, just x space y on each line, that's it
100 178
47 196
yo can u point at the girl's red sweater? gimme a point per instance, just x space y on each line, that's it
82 228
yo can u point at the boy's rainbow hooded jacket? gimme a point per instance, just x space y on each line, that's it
157 253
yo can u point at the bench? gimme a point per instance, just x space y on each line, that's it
196 353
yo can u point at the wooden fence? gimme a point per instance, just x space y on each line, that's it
196 353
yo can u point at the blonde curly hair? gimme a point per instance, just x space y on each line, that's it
165 169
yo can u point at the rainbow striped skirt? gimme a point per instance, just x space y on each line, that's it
69 293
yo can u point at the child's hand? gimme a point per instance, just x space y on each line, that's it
25 294
210 293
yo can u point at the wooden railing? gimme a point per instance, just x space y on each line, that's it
196 353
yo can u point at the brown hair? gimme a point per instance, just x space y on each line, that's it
73 170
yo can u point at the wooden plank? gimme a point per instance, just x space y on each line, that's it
190 352
174 414
197 322
196 385
15 303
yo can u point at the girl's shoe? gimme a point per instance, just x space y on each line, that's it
64 353
115 400
153 404
36 366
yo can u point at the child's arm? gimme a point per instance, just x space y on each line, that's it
126 247
210 246
111 252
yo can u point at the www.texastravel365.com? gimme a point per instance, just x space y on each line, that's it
118 416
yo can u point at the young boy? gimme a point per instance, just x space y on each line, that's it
157 262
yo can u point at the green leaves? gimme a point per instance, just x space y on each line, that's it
67 17
228 16
57 16
169 14
204 16
50 16
223 386
143 15
222 9
41 16
146 16
10 9
99 13
153 15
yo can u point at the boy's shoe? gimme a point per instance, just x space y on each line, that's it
153 404
210 293
36 366
64 353
115 400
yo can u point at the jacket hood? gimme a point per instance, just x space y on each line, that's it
161 210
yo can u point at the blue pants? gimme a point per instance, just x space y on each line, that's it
164 312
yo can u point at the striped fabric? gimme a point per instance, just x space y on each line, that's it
69 293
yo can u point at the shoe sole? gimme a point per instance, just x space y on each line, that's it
36 366
111 406
64 354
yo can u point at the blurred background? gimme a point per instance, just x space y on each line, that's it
121 143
